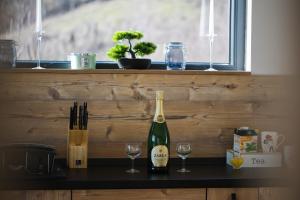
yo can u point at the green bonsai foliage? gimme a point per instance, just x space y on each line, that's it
139 49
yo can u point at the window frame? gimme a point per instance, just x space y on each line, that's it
237 45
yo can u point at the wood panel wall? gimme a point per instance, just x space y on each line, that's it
203 109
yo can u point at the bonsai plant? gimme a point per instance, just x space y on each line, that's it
121 50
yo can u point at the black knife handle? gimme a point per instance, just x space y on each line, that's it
80 117
75 113
71 119
86 119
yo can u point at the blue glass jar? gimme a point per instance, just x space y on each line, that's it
175 56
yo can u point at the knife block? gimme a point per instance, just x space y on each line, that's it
77 151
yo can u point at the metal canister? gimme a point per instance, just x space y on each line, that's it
245 140
82 60
8 55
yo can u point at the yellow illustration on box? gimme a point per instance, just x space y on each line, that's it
237 162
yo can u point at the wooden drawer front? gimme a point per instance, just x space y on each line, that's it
36 195
276 194
12 195
226 193
138 194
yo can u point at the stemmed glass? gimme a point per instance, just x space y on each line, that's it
183 151
133 151
211 49
39 36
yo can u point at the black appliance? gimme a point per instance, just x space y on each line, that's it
27 160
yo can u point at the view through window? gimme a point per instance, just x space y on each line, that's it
88 25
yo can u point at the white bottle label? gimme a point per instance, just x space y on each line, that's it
160 156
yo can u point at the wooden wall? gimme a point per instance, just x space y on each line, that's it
200 108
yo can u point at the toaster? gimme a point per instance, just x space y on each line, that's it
27 159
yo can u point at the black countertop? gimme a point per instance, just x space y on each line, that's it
110 174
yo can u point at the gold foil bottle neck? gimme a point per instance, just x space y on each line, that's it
159 113
159 95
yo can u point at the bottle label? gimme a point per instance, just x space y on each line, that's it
160 156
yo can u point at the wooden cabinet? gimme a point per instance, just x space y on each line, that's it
137 194
226 193
151 194
269 193
12 195
36 195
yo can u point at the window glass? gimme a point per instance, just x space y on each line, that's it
88 25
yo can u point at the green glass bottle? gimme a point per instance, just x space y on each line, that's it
159 140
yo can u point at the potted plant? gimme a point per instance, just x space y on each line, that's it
121 50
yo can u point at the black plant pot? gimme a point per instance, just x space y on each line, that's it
136 63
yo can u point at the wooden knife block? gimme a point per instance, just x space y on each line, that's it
77 148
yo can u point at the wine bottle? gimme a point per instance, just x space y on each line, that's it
158 140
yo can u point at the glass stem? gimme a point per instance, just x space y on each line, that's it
211 43
132 164
183 163
39 41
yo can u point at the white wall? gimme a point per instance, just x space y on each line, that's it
275 39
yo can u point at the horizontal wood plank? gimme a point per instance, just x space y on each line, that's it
100 109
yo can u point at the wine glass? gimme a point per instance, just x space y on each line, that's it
183 150
133 151
39 35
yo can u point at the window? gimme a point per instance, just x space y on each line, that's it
88 25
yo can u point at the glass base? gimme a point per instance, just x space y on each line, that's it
210 70
132 171
176 67
183 170
39 67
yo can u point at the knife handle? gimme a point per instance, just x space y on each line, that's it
80 117
75 113
85 115
71 119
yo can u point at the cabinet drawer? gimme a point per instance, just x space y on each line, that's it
145 194
36 195
227 193
273 193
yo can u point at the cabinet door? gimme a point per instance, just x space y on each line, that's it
12 195
228 193
138 194
268 193
36 195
